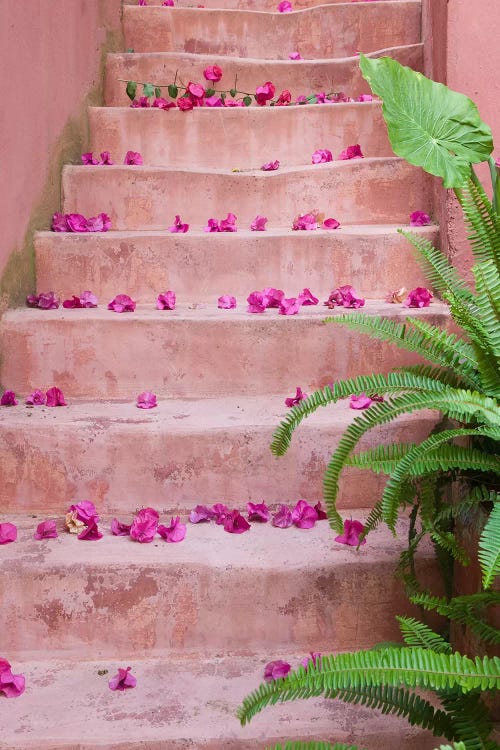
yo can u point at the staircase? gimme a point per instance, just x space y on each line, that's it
197 621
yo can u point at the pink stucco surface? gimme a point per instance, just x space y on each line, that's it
50 61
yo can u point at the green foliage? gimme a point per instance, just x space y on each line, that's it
416 633
468 610
148 90
489 545
313 746
131 89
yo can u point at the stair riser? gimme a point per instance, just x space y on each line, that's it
270 6
358 191
174 470
299 78
203 267
90 356
326 32
172 139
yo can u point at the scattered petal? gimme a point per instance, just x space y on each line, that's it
44 301
352 532
133 158
305 222
419 219
397 296
214 101
313 658
351 152
146 400
220 511
8 533
37 398
360 402
161 103
257 302
331 224
290 306
275 670
272 296
178 227
85 511
228 224
322 515
120 529
264 93
106 158
365 98
122 303
176 532
46 530
91 532
200 514
8 399
55 397
145 525
271 166
88 299
124 679
195 90
59 223
213 73
89 159
285 6
11 685
295 56
307 298
321 156
258 512
418 297
212 226
73 523
234 523
168 3
304 515
299 396
166 301
344 296
284 98
226 302
282 519
185 103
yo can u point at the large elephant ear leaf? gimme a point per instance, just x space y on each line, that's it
429 125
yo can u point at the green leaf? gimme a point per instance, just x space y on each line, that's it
209 92
223 96
148 90
429 125
131 90
247 100
489 546
157 92
173 91
233 92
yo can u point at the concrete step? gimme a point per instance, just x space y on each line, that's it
191 353
216 449
180 704
292 134
371 191
203 266
270 6
321 32
269 590
300 78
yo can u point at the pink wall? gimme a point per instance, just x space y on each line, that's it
50 69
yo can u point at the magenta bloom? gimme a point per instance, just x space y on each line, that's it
59 223
44 301
99 223
352 532
284 98
275 670
178 227
212 226
214 101
120 529
418 297
420 219
220 511
55 397
299 396
213 73
76 223
304 515
85 511
168 3
228 224
313 659
8 533
258 512
86 300
344 296
106 158
322 516
294 56
122 303
166 301
264 93
37 398
161 103
91 532
185 103
234 523
46 530
351 152
321 156
8 399
257 302
133 158
173 533
226 302
146 400
365 98
124 679
290 306
145 525
307 298
11 685
270 166
201 513
272 296
282 519
305 222
195 90
331 224
143 2
89 159
285 6
360 402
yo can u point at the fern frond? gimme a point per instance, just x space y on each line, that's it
455 746
448 377
489 545
482 222
448 542
488 301
466 610
470 719
416 633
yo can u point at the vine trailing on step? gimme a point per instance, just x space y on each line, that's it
439 130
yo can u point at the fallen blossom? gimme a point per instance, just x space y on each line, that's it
282 519
122 303
220 511
106 158
120 529
307 298
91 532
419 219
185 103
275 670
195 90
273 297
360 402
200 514
85 300
85 511
212 226
271 166
322 515
145 525
142 2
294 400
234 103
235 523
214 101
142 102
11 685
226 302
77 223
397 296
264 93
290 306
89 159
59 223
99 223
161 103
304 515
166 301
168 3
146 400
259 224
257 302
178 227
344 296
46 530
305 222
331 224
321 156
36 398
228 224
73 524
133 158
176 532
55 397
258 512
312 659
283 99
351 152
8 399
8 533
124 679
213 73
285 6
44 301
295 56
352 532
418 297
365 98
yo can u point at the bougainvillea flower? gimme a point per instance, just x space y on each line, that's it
290 306
226 302
282 519
397 296
55 397
200 514
59 223
85 511
176 532
161 103
178 226
46 530
418 297
302 100
285 6
195 90
8 533
220 512
91 532
307 298
77 223
273 296
166 301
270 166
85 300
185 103
89 159
122 303
294 400
44 301
365 98
106 158
334 299
145 525
344 296
258 512
305 222
214 101
331 224
313 658
124 679
212 226
133 158
143 2
351 152
360 402
322 515
257 302
259 224
352 532
120 529
146 400
304 515
321 156
11 685
72 303
235 523
36 398
275 670
8 399
168 3
213 73
295 56
99 223
284 98
419 219
228 224
234 103
264 93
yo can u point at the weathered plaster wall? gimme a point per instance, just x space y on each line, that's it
51 56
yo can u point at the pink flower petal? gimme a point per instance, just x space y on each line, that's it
299 396
312 659
91 532
176 532
161 103
46 530
185 103
133 158
418 297
294 56
11 685
213 73
123 680
228 224
220 511
321 156
178 227
290 306
88 299
331 224
273 297
282 519
307 298
99 223
258 512
275 670
212 226
270 166
37 398
168 3
85 511
146 400
200 514
264 93
8 533
234 523
365 98
44 301
120 529
352 532
166 301
257 302
89 159
360 402
55 397
145 525
322 516
122 303
420 219
214 101
60 223
345 296
305 222
285 6
106 158
226 302
351 152
195 90
284 99
8 399
304 515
